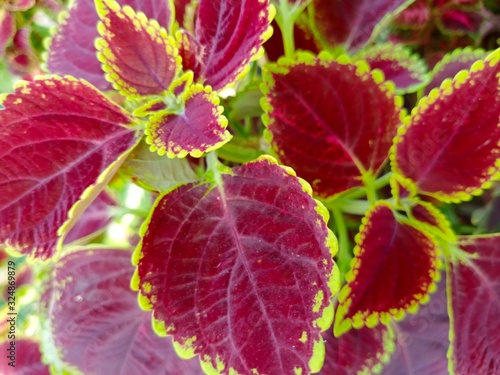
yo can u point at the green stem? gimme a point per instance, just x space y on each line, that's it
344 255
371 190
360 192
286 21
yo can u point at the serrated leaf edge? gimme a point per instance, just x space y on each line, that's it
446 88
186 351
361 319
106 57
178 151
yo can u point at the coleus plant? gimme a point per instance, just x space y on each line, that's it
236 259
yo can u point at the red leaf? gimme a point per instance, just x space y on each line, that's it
415 16
475 307
456 20
351 23
231 33
191 52
72 49
27 358
452 63
96 323
248 259
454 129
407 71
431 220
58 137
137 55
358 351
422 339
7 29
198 128
332 121
386 281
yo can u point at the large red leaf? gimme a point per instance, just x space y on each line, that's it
198 128
394 269
58 137
95 321
453 130
26 358
422 339
248 259
231 33
352 23
331 121
358 351
137 55
72 48
475 307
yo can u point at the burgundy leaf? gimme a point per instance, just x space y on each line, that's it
231 33
248 259
191 52
351 23
96 323
137 55
198 128
72 49
393 271
475 307
358 351
452 63
456 20
431 219
58 137
26 358
406 70
454 129
93 220
7 29
331 121
422 339
414 16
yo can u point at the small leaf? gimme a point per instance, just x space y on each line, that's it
198 128
96 323
430 219
58 137
406 70
191 52
26 357
352 23
456 21
453 130
93 220
474 287
393 271
231 33
248 259
422 339
452 63
362 351
72 49
137 55
156 173
7 29
332 121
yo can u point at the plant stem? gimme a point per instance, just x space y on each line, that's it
286 23
344 255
